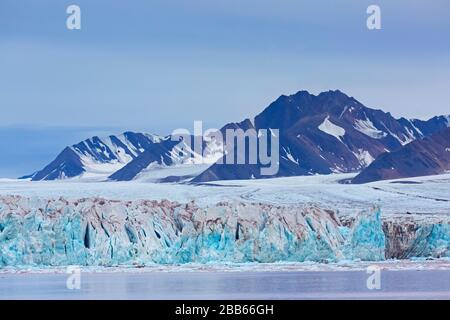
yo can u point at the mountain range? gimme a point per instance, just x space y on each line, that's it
428 156
318 134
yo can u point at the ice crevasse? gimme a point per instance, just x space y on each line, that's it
99 232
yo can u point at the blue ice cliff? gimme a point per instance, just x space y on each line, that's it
98 232
366 239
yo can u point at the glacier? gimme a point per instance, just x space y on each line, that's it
98 232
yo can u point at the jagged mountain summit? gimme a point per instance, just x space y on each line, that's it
327 133
318 134
97 156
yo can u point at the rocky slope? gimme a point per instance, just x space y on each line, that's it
428 156
318 134
326 133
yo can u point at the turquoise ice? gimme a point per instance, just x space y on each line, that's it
98 232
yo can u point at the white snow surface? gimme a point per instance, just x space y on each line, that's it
182 157
155 172
333 130
289 155
364 157
96 171
367 127
422 195
58 223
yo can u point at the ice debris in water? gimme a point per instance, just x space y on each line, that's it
98 232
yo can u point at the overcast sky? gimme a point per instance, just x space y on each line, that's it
156 65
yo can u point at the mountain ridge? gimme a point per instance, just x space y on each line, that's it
427 156
319 134
309 135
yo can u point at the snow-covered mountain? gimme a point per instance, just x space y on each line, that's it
327 133
318 134
126 157
171 161
97 157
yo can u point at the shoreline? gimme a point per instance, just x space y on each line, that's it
389 265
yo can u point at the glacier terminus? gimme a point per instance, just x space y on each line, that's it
99 232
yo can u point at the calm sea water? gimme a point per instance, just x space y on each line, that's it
429 284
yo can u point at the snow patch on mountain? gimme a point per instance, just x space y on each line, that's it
95 171
411 122
330 128
185 162
289 155
343 112
211 151
367 127
364 157
404 140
